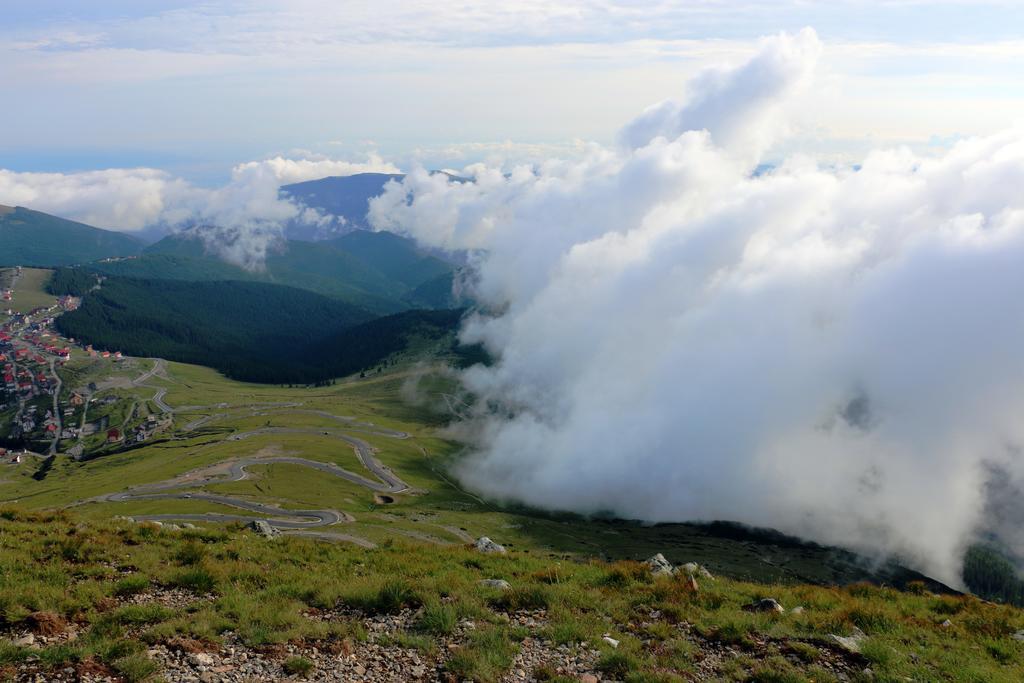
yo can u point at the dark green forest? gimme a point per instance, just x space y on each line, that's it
250 331
988 573
72 281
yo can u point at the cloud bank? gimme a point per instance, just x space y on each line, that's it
833 353
239 220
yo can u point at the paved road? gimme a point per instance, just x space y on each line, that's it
279 518
293 521
158 399
364 451
56 408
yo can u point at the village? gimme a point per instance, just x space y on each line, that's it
41 416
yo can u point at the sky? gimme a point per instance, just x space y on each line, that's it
194 88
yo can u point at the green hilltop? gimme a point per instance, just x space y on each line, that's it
33 238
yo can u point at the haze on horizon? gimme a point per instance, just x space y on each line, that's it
194 88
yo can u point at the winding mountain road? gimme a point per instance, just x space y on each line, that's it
297 522
277 517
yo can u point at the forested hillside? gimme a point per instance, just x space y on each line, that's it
252 331
248 330
377 271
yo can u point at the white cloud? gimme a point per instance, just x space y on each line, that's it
834 353
241 217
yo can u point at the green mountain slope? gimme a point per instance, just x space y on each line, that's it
173 267
33 238
378 274
397 257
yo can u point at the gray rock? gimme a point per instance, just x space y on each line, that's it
486 545
611 641
263 528
851 643
25 641
765 605
694 569
660 566
200 659
1019 635
797 610
496 583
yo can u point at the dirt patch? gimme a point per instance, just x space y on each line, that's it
47 623
90 668
271 451
190 645
381 499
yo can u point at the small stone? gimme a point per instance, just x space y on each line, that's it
200 659
588 678
765 605
1019 635
486 545
852 642
797 610
611 641
947 623
26 641
496 583
263 528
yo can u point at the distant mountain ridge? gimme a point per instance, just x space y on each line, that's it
344 197
34 238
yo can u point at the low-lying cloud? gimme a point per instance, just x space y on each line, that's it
833 353
238 221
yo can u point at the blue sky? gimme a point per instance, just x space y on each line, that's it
195 87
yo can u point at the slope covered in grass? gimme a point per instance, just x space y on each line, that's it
121 597
33 238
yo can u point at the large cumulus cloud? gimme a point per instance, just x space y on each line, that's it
834 353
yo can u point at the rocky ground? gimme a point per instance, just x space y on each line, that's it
387 648
383 656
380 657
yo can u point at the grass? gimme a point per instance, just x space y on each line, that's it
486 657
297 666
662 627
30 291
